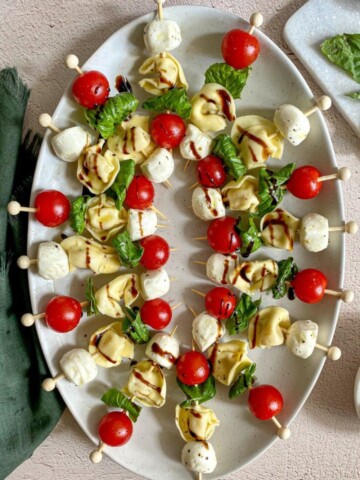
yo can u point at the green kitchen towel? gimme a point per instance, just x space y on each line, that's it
27 413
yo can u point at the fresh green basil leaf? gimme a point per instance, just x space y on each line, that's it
198 393
244 311
250 239
77 213
287 271
116 109
129 252
355 95
225 149
134 327
115 398
234 80
90 297
270 191
175 100
344 52
118 189
243 382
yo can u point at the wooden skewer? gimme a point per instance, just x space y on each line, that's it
158 212
342 174
198 292
96 455
174 249
160 9
162 226
349 227
186 165
174 331
169 184
14 208
194 185
200 238
199 262
50 383
192 311
72 62
282 432
176 306
24 262
45 121
256 20
199 476
172 279
323 103
346 296
333 353
28 319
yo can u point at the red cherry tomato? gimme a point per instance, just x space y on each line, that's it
156 252
210 172
309 285
220 302
304 183
265 402
167 130
192 368
140 194
53 208
91 89
156 313
63 313
239 48
222 235
115 429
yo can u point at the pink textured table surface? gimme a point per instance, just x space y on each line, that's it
35 36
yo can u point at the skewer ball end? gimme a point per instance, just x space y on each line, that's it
334 353
28 319
23 262
72 61
96 456
284 433
45 120
344 174
347 296
14 208
351 227
48 384
256 19
324 103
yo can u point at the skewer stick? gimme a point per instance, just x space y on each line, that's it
45 121
96 455
349 227
176 306
172 279
282 432
200 238
160 9
49 384
158 212
24 262
174 331
193 312
169 184
186 165
198 292
323 103
342 174
162 226
174 249
199 476
256 20
194 185
346 296
14 208
72 62
199 262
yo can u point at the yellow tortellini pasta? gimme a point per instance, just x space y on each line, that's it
125 287
241 195
252 277
278 229
265 328
147 383
195 422
228 359
102 219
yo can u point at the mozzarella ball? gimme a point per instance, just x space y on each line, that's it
207 330
159 166
53 262
219 267
79 366
207 203
301 338
141 223
154 284
196 144
292 123
69 144
163 349
314 232
199 457
162 36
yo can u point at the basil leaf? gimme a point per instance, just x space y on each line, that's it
90 297
243 382
175 100
250 239
106 117
344 52
232 79
355 95
115 398
270 191
77 213
117 191
129 252
244 311
287 271
225 149
198 393
134 327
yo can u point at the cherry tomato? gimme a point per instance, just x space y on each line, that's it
239 48
309 285
63 313
304 183
167 130
91 89
210 172
115 429
156 313
53 208
140 193
156 252
265 402
192 368
220 302
222 235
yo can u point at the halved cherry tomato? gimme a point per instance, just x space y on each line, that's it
156 313
304 183
309 285
210 172
239 48
192 368
115 429
220 302
265 402
167 130
156 252
140 193
91 89
63 313
222 235
53 208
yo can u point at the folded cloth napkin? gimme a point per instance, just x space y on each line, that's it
27 414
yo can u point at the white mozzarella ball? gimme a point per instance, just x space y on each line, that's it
219 267
154 284
53 262
163 349
196 144
69 144
159 166
207 330
292 123
79 366
301 338
199 457
207 203
162 36
314 232
141 223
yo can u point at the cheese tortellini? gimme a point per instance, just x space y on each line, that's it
278 229
169 74
112 345
228 359
102 219
241 195
265 328
147 383
195 422
122 287
252 277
